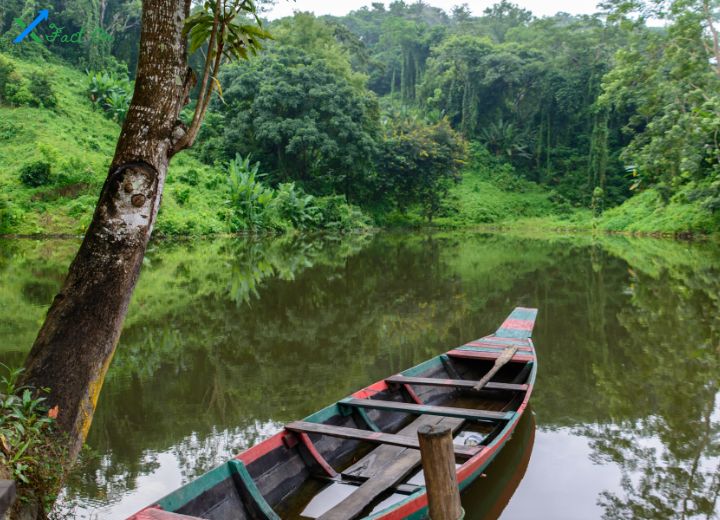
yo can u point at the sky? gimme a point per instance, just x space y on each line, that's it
341 7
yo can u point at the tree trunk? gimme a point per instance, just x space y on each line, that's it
77 341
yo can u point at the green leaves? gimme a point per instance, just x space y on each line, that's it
198 28
111 93
241 40
419 162
249 198
668 82
27 447
256 207
301 119
236 38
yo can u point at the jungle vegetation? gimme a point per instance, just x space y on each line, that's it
399 114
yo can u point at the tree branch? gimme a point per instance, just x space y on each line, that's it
187 140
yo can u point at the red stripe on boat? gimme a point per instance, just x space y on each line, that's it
159 514
141 515
518 324
371 390
265 447
406 510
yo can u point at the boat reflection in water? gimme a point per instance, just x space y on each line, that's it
487 497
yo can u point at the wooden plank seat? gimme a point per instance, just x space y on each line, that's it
457 383
368 436
421 409
392 474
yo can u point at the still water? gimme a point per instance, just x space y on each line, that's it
226 340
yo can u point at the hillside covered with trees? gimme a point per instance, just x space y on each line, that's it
391 115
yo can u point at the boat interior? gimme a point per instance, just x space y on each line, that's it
360 455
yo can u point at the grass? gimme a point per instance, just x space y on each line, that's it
79 143
480 199
647 213
643 214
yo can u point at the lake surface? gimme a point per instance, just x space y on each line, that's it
228 339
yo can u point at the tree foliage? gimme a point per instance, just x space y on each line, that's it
304 122
594 108
419 162
668 82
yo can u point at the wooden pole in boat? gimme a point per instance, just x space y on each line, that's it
438 462
500 362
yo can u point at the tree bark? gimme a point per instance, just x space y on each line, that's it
78 339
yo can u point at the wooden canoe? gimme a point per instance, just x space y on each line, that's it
359 457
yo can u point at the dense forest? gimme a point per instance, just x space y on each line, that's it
399 114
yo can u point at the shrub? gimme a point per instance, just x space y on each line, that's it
42 91
7 75
190 177
335 214
256 207
9 215
295 207
116 105
29 448
18 94
9 131
111 93
182 195
15 90
35 174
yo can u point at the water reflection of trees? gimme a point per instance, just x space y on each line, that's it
199 368
228 339
31 272
660 385
629 351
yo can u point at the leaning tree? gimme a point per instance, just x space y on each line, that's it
77 341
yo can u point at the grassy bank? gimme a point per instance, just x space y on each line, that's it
643 214
78 142
491 194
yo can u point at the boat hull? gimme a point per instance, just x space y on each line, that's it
258 482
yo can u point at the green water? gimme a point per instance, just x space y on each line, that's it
226 340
